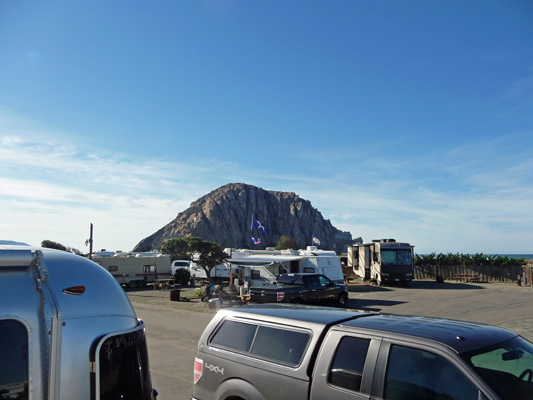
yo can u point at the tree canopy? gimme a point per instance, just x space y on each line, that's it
53 245
285 242
205 253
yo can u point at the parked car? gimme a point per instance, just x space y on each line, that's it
301 288
308 353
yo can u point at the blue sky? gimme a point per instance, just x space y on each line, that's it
403 119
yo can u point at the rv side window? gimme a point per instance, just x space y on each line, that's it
149 268
255 274
123 368
13 360
112 268
309 270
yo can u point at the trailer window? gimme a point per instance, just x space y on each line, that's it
124 372
149 268
13 360
112 268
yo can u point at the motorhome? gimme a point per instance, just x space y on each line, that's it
384 261
134 269
68 330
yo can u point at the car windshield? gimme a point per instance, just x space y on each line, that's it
507 367
396 257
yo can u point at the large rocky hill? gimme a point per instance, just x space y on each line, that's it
225 216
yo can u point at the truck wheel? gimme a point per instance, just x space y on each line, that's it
342 301
131 284
140 284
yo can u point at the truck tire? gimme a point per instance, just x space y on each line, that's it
131 284
342 301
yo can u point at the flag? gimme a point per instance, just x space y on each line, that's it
316 241
256 241
258 225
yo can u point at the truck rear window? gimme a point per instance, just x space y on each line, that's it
276 344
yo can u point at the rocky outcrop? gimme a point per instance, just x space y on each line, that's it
225 216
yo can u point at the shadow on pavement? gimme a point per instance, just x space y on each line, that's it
371 304
444 285
426 284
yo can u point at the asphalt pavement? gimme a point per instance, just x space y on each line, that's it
174 327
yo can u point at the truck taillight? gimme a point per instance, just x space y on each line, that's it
281 295
198 369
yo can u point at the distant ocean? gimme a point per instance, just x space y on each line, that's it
526 256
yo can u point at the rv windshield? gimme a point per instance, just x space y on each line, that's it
396 257
123 367
507 367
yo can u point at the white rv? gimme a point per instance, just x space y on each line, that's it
68 330
263 266
134 269
384 261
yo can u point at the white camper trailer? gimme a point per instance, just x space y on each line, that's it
68 330
134 269
263 266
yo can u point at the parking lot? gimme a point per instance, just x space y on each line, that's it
173 327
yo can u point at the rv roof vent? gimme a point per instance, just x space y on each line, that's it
290 252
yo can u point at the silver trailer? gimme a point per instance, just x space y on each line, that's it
383 261
67 330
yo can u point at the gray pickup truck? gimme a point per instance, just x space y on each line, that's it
312 353
301 288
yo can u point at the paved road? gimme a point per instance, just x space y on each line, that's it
173 328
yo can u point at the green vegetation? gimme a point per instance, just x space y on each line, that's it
468 260
285 242
206 254
53 245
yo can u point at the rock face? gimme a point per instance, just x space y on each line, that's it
225 216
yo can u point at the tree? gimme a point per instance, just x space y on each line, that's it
177 248
53 245
285 242
206 254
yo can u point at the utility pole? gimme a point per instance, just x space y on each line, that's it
90 243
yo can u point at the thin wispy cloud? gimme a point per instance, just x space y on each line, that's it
59 188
